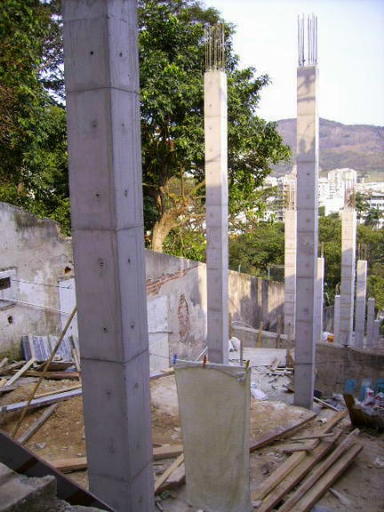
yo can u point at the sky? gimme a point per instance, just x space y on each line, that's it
350 54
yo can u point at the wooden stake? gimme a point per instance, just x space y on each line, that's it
39 422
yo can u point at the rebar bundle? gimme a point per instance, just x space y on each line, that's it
307 40
214 47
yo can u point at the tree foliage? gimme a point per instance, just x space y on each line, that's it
172 65
33 163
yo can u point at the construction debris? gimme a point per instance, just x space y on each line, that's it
40 402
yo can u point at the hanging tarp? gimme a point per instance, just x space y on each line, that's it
214 404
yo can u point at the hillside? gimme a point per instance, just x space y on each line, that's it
359 147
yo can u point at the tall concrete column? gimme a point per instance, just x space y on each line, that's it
369 340
319 299
216 180
102 87
289 271
347 287
307 158
376 331
360 305
336 318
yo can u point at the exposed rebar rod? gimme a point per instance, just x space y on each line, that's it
214 47
307 40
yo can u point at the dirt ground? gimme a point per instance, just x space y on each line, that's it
63 436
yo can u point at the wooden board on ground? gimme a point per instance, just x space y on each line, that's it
312 497
40 402
168 472
19 373
297 447
53 375
284 469
80 463
279 432
318 472
292 478
37 424
175 480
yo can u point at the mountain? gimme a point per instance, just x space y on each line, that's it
357 146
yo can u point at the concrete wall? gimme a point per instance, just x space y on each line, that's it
39 257
251 300
42 260
336 364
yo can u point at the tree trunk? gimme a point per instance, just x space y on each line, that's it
161 229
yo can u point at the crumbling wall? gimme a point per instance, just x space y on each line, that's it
36 256
41 261
336 364
251 300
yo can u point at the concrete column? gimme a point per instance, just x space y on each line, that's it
289 271
307 158
102 87
319 299
215 129
361 299
369 340
347 287
336 318
376 331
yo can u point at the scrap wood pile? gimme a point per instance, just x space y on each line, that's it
309 471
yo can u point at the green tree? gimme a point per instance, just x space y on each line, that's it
33 163
172 60
254 251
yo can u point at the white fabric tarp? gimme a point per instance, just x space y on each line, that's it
214 405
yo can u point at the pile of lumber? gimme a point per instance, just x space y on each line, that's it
308 473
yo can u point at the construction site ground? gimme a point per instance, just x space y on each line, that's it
63 436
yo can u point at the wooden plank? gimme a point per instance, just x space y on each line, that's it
168 472
20 372
312 436
79 463
279 432
3 362
40 402
291 448
7 389
70 464
39 422
53 375
325 404
175 480
277 476
63 390
167 452
311 480
312 497
13 366
297 474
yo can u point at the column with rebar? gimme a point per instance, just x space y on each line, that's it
216 181
307 158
